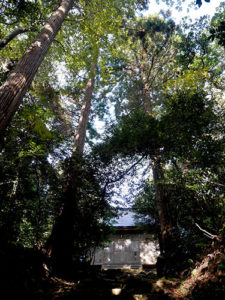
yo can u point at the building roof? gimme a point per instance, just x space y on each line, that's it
126 219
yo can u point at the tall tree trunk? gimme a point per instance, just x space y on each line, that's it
59 246
161 194
145 87
80 135
19 80
162 204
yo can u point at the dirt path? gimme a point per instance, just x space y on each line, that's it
111 284
24 276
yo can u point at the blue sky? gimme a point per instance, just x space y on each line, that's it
194 12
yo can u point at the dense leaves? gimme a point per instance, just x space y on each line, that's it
29 182
217 28
180 130
159 91
189 116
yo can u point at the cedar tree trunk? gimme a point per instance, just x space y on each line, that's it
80 135
19 80
161 195
162 204
145 87
59 246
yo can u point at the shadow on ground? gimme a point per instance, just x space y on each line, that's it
111 284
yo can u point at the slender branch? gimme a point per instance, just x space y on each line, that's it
9 24
121 176
75 20
217 183
57 41
206 233
11 36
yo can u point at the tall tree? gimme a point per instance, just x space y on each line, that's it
60 244
163 50
158 60
18 82
154 54
100 33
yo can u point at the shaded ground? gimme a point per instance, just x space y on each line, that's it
24 276
206 280
111 284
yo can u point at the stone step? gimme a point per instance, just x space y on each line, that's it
120 266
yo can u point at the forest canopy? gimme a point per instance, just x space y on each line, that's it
158 88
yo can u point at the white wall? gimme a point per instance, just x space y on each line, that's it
127 250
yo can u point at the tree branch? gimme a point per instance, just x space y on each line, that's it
121 176
57 41
206 233
9 24
11 36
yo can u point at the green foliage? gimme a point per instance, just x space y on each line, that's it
190 115
178 66
145 209
25 11
186 134
28 180
187 114
92 213
217 27
136 133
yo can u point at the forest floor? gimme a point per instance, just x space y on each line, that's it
22 278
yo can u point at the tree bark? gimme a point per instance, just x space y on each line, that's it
11 36
161 194
19 80
79 138
145 84
59 246
162 204
146 90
